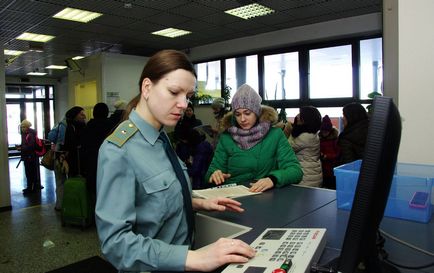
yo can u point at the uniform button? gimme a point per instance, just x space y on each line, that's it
130 125
123 132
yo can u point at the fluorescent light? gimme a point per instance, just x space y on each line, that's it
13 52
171 32
35 37
36 73
250 11
78 15
56 67
77 58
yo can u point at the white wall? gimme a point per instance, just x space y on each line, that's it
121 74
414 75
5 191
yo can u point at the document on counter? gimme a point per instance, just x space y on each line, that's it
230 191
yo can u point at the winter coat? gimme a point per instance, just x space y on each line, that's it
352 141
272 156
28 142
307 149
329 152
184 126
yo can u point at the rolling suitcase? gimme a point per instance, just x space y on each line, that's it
76 204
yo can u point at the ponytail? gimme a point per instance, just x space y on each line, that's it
131 105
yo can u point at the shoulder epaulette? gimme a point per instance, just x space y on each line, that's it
122 133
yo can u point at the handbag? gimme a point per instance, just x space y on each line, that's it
48 160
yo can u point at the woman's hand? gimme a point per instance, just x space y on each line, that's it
261 185
222 252
217 204
218 177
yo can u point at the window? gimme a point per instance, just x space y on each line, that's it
371 67
281 76
240 71
208 79
330 71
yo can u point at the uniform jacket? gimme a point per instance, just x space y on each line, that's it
271 156
352 141
140 214
307 148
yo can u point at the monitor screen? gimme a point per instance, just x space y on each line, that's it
359 249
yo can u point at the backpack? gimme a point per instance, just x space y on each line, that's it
39 146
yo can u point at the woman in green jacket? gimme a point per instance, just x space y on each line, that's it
250 151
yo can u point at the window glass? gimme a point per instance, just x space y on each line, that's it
208 80
51 92
241 70
281 76
371 67
39 92
330 72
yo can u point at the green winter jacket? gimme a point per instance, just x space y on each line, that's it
272 156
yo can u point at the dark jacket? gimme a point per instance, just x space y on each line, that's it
352 141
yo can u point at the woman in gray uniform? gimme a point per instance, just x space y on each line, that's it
144 209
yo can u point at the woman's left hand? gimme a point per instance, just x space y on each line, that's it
261 185
217 204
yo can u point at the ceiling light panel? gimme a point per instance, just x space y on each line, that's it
36 74
56 67
13 52
27 36
171 32
77 15
250 11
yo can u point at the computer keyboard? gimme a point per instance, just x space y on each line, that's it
275 246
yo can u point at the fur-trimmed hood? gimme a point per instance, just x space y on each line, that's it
267 114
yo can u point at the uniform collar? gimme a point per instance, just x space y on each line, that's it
146 129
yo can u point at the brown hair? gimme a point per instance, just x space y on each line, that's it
161 63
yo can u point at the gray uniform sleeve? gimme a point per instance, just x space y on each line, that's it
116 218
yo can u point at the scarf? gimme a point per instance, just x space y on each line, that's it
246 139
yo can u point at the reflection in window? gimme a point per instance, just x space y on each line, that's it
208 79
281 76
241 70
330 71
371 67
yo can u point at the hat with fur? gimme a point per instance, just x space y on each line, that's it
246 97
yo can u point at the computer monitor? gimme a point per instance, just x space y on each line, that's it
375 179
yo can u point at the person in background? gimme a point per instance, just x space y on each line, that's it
219 110
76 121
182 129
304 140
116 117
29 157
144 207
250 149
201 153
96 130
328 136
352 140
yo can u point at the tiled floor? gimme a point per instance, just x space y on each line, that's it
31 236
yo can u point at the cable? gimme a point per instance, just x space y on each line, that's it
386 258
406 243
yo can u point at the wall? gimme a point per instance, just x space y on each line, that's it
5 191
414 76
121 74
